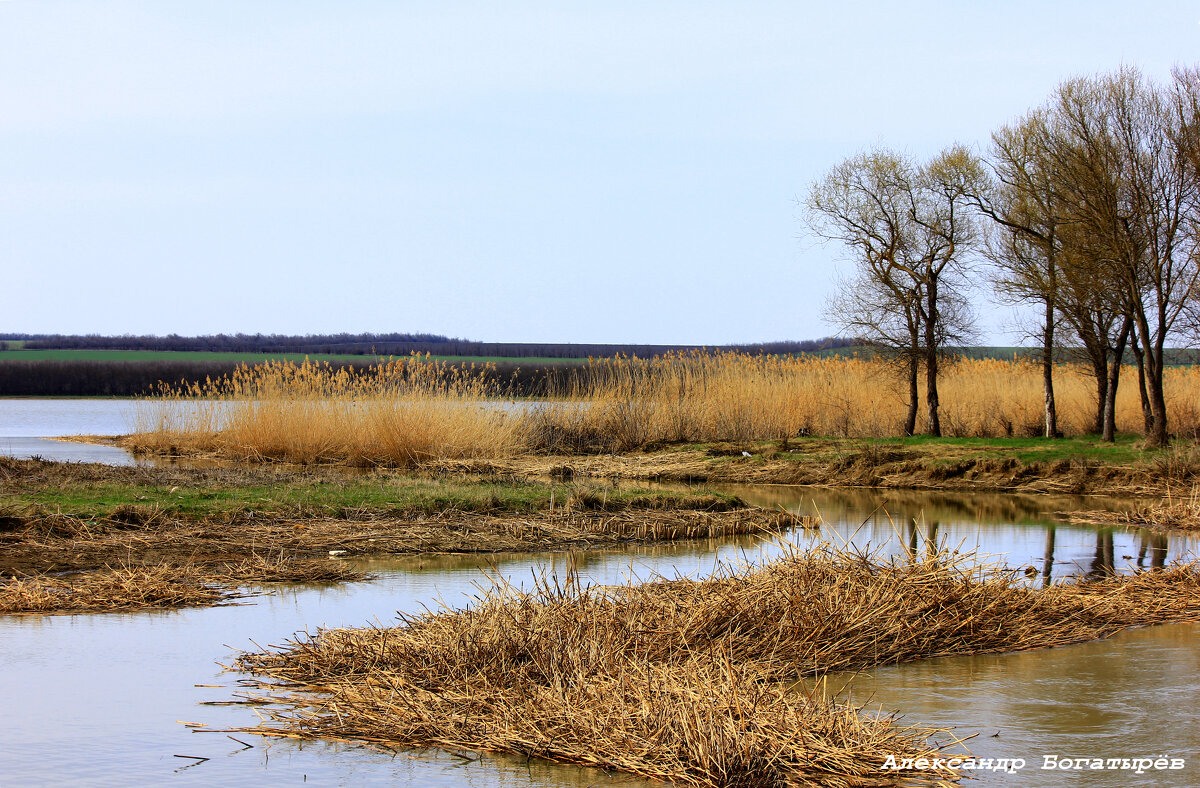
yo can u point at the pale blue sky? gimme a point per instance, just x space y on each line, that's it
518 171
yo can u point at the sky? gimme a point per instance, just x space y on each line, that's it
514 172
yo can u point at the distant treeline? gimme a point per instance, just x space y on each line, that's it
385 344
100 378
137 378
140 378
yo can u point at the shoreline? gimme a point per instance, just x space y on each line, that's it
999 465
64 525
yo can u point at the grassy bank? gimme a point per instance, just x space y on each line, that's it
1079 465
245 494
270 524
690 681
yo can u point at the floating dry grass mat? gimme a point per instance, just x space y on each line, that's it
687 680
1172 512
164 585
112 590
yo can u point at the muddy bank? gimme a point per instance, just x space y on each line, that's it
843 464
48 542
65 527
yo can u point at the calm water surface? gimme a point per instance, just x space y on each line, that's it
25 425
100 700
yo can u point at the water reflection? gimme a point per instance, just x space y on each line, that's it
1022 531
1134 695
64 451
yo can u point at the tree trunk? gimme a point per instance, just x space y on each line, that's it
1159 436
1100 371
1152 353
1051 423
910 418
1114 378
931 358
1147 417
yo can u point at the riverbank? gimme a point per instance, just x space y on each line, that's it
221 526
1073 466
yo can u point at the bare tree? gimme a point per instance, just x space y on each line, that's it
861 203
1129 174
946 233
907 231
1095 312
1026 240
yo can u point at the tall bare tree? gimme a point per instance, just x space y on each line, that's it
908 233
939 209
861 203
1026 233
1094 311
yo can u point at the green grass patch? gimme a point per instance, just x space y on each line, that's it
1127 448
329 496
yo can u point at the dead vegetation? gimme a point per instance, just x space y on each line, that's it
164 585
690 681
1173 512
38 542
186 537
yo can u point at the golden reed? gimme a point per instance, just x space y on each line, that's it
413 410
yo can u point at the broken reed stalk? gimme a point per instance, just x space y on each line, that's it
686 680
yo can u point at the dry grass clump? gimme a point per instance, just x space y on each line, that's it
686 680
1180 513
399 413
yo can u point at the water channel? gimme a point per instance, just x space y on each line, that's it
101 700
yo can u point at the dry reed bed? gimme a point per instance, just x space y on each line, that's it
164 585
416 411
400 414
39 542
687 680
